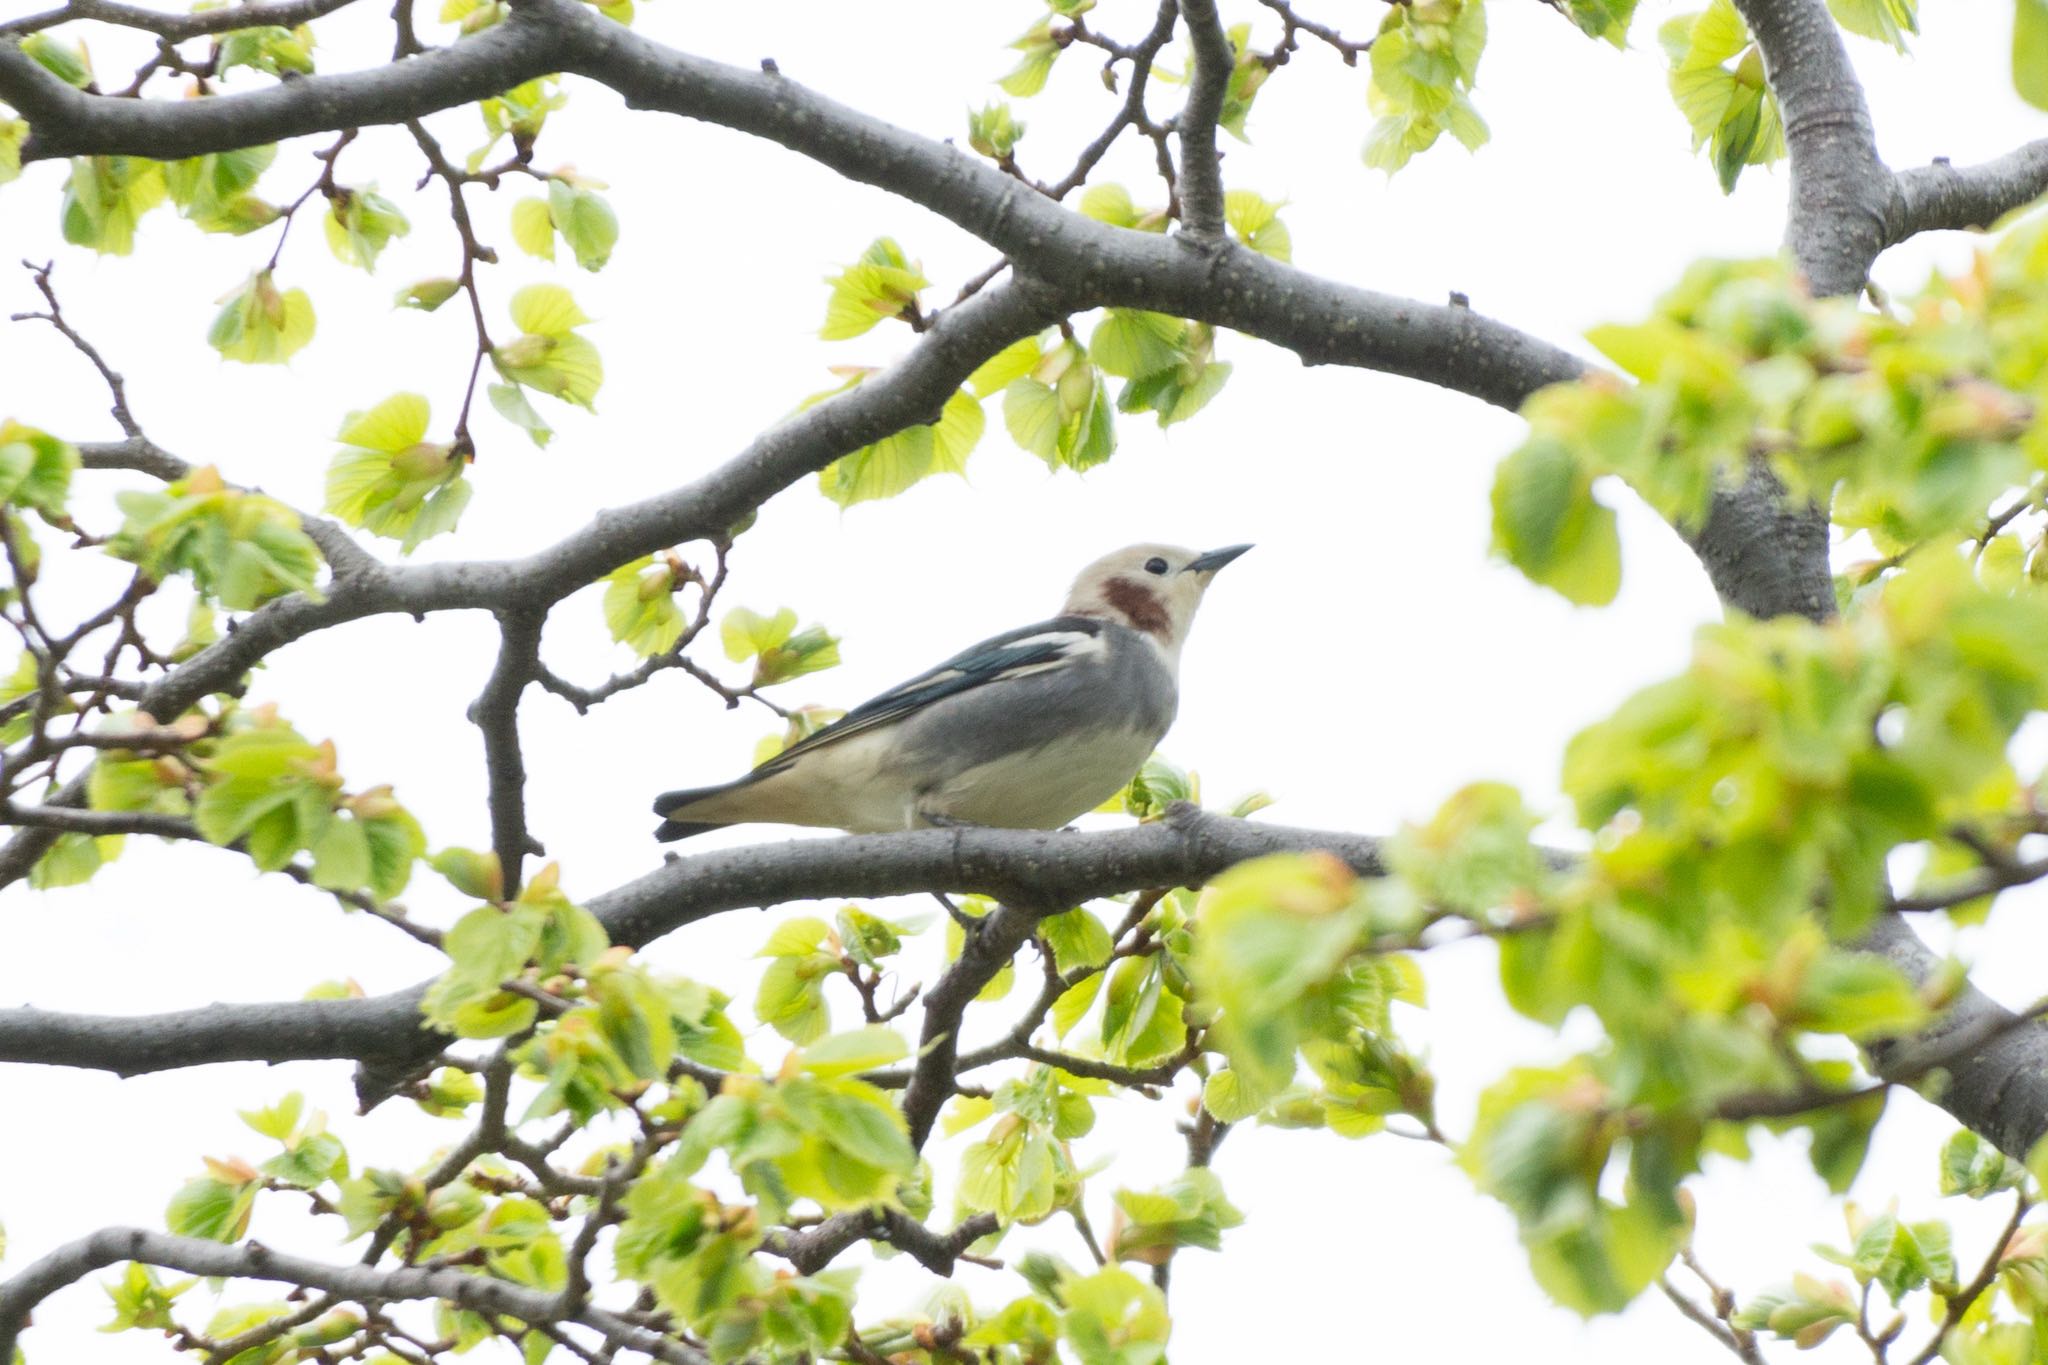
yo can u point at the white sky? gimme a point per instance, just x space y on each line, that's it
1365 661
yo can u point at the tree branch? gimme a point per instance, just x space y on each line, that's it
1036 867
1201 167
496 713
1986 1063
986 950
1944 197
253 1260
814 1248
68 122
1841 189
178 27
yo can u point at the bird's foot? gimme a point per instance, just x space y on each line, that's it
937 821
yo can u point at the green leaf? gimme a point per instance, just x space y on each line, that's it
510 401
106 197
1256 221
1547 523
566 367
269 48
1040 52
1887 21
242 549
857 1050
259 325
897 461
1132 344
533 227
391 481
746 633
640 606
69 62
35 469
13 132
73 859
546 310
1077 939
1607 19
1274 934
473 874
360 223
213 190
486 946
2030 51
1972 1166
1114 1318
1061 411
1188 1211
211 1208
883 283
427 295
341 856
585 221
1731 109
994 131
1423 62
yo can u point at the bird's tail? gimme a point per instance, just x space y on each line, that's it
697 809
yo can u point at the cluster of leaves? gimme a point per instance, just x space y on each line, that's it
1717 78
1901 1259
550 356
779 650
1424 61
574 211
35 472
1743 815
1907 423
391 480
241 549
640 603
248 779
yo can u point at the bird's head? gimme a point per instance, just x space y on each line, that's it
1153 589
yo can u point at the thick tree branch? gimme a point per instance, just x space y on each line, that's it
989 945
1993 1084
1841 190
1090 262
1943 197
1765 556
1201 167
252 1260
1033 867
68 122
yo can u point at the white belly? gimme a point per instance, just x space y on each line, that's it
1042 788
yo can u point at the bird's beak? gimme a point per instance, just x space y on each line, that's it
1214 559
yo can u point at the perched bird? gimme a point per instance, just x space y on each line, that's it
1026 730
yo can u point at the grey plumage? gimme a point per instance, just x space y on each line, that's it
1028 729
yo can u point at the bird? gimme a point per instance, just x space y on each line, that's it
1029 729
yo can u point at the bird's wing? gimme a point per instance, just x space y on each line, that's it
1029 649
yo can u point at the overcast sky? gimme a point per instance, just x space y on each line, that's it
1365 661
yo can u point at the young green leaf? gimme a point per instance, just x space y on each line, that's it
360 223
260 325
390 480
883 283
640 605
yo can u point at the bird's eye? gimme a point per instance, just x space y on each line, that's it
1155 565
